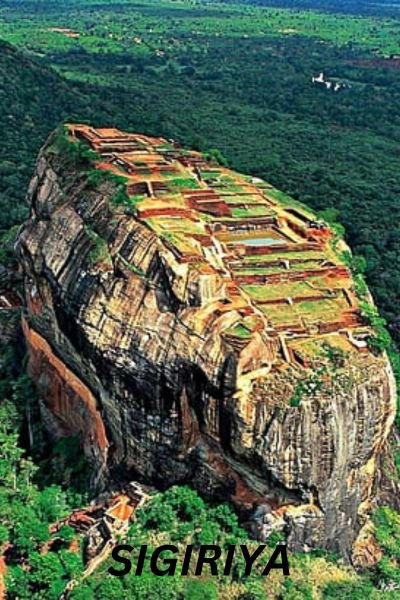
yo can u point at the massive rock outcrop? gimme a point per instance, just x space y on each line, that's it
194 325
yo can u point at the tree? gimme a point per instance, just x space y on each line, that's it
200 590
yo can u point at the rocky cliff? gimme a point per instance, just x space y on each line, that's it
194 325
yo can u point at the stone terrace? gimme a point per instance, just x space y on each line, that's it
278 263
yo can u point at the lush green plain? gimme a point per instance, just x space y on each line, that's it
162 24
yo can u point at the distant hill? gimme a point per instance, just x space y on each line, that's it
33 100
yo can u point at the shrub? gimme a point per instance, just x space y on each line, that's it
352 590
381 341
297 590
99 251
387 523
200 590
215 156
78 153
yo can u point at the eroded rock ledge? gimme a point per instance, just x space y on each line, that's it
195 325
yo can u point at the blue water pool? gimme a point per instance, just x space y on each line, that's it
265 241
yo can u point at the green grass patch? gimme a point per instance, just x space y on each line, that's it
99 252
292 289
209 174
311 310
244 199
183 183
289 202
239 330
307 255
253 211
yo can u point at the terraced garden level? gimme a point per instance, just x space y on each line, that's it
269 266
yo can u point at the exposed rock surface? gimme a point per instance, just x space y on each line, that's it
134 350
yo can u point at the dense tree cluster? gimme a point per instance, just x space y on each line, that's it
39 562
180 517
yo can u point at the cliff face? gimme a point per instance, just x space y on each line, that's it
198 330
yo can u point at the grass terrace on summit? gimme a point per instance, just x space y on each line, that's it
278 263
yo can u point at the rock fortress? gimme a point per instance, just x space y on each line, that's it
194 325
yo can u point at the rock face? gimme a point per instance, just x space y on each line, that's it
190 327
